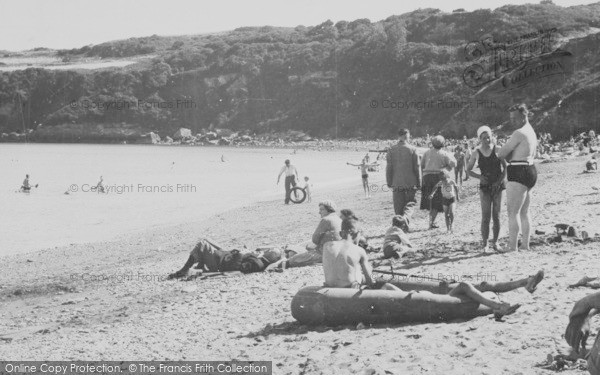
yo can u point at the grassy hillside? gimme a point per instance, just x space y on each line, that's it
324 80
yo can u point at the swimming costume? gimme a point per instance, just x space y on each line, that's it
447 201
365 176
522 173
491 168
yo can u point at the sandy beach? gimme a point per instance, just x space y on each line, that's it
110 300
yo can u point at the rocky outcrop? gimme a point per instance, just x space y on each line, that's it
149 139
182 134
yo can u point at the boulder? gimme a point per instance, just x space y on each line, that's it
224 132
224 142
210 136
168 140
182 133
149 139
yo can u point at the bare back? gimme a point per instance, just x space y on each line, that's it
342 264
521 145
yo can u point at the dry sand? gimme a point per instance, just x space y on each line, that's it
54 305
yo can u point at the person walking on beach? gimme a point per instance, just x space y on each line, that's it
491 184
435 160
403 175
521 173
364 171
291 177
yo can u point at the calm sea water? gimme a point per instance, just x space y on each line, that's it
148 186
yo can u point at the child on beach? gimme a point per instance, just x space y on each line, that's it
396 243
347 214
449 197
592 165
307 189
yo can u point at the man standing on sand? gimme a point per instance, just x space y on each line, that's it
291 176
364 173
403 175
521 174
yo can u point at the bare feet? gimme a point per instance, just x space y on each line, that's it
583 282
534 280
506 309
177 275
496 247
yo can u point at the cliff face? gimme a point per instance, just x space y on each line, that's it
426 70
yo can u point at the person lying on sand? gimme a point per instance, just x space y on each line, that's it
210 257
346 265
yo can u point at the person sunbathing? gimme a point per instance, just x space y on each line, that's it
210 257
345 265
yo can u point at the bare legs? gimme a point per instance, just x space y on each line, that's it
449 216
467 289
518 198
432 215
365 183
490 211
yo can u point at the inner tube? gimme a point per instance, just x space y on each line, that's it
297 194
314 305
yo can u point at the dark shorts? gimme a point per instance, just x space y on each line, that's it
523 174
365 176
447 201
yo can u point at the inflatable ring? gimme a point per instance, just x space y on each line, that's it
297 195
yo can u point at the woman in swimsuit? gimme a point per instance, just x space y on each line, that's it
491 183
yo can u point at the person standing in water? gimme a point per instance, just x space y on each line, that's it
26 187
364 171
491 184
100 185
291 178
521 173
